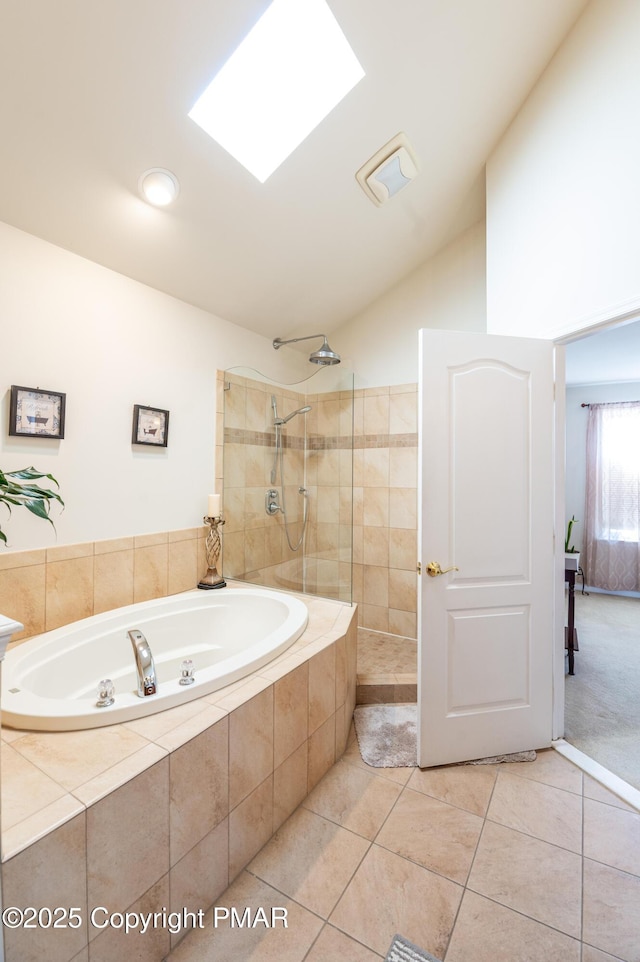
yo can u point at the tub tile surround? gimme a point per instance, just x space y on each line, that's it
363 488
166 811
51 587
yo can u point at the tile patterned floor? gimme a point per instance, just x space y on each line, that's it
387 668
530 862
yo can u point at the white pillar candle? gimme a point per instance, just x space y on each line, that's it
213 510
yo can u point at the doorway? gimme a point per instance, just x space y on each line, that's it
600 700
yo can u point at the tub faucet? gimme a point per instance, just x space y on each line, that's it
145 667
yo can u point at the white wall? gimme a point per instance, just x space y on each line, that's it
447 291
576 441
67 324
563 192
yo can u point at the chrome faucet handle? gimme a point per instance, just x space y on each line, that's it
186 672
106 692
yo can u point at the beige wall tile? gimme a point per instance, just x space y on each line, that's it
25 789
49 873
403 467
256 411
22 597
250 745
254 549
403 508
328 536
328 503
232 554
69 591
376 585
199 788
341 671
403 548
376 414
73 758
114 944
291 708
375 545
185 534
202 875
374 617
149 540
322 751
235 407
112 580
150 572
183 566
235 461
113 544
322 680
402 589
67 552
343 724
375 507
289 785
128 839
328 467
22 559
403 413
250 826
375 468
403 623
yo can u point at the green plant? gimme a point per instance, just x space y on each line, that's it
18 488
570 550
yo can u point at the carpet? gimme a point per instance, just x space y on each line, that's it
602 708
402 950
388 738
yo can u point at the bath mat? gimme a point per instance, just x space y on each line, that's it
402 950
388 735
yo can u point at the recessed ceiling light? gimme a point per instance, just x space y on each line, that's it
288 73
159 186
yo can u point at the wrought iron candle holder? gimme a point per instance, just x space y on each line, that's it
212 579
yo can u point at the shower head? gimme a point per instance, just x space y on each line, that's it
303 410
324 355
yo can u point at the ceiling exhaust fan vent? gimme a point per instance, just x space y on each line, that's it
391 169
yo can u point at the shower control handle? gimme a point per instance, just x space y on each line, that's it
271 502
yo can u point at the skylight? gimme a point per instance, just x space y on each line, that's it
288 73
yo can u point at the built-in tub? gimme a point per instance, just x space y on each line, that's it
50 682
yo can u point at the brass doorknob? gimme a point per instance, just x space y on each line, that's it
434 569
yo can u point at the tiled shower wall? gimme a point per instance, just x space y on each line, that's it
319 455
382 502
385 508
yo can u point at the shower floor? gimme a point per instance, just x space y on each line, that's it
387 668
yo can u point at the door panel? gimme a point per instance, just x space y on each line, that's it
486 506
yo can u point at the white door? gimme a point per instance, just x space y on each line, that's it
487 482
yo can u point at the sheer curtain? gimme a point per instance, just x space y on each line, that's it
612 530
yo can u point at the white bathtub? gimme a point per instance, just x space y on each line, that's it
49 683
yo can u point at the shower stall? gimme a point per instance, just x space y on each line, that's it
288 481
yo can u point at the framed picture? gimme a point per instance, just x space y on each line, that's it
36 413
150 426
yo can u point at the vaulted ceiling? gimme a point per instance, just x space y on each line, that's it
94 93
